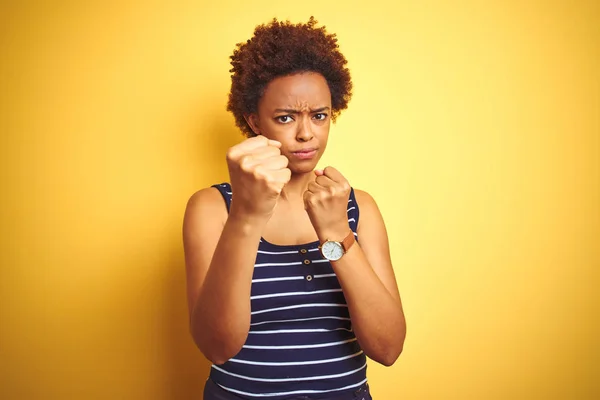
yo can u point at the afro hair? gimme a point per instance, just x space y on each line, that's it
280 49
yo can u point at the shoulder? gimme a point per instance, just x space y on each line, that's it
207 196
206 202
364 199
369 211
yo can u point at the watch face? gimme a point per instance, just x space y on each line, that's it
332 251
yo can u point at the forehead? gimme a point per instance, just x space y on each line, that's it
307 89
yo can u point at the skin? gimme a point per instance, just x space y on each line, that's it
276 188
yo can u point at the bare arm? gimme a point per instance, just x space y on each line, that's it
367 279
220 250
219 253
365 272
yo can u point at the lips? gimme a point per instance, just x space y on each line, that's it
305 154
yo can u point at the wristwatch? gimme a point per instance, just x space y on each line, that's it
333 250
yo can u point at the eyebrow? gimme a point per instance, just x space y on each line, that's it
293 111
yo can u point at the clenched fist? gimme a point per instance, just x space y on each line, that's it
258 172
326 202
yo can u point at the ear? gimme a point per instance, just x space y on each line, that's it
252 121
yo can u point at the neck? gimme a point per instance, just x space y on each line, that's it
297 185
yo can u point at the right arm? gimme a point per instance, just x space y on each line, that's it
220 250
219 262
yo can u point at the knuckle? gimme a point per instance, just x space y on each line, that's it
245 162
269 179
287 175
258 172
231 154
262 179
256 139
274 151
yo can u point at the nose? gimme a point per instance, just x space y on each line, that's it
304 133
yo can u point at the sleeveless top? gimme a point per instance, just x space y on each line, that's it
301 341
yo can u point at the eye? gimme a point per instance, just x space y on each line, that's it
320 116
284 119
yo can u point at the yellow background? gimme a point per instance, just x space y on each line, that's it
474 124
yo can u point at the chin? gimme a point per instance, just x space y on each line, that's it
302 168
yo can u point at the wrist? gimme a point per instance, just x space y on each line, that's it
247 223
336 234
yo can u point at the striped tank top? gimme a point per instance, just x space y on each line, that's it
301 341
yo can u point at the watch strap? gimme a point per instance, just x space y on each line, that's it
348 241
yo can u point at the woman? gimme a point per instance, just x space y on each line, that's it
283 299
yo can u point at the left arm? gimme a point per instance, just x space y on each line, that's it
365 272
367 278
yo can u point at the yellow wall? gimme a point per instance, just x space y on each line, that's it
475 124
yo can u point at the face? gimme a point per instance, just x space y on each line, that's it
295 110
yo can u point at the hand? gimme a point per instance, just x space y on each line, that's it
326 202
258 173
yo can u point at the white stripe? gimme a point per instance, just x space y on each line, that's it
329 360
229 192
288 264
300 346
298 306
276 264
324 276
352 219
286 252
279 252
355 234
299 379
350 201
298 331
291 278
351 208
294 392
268 296
285 278
299 320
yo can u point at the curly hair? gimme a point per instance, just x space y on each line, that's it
281 49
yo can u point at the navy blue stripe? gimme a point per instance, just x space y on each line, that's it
300 284
300 338
320 322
